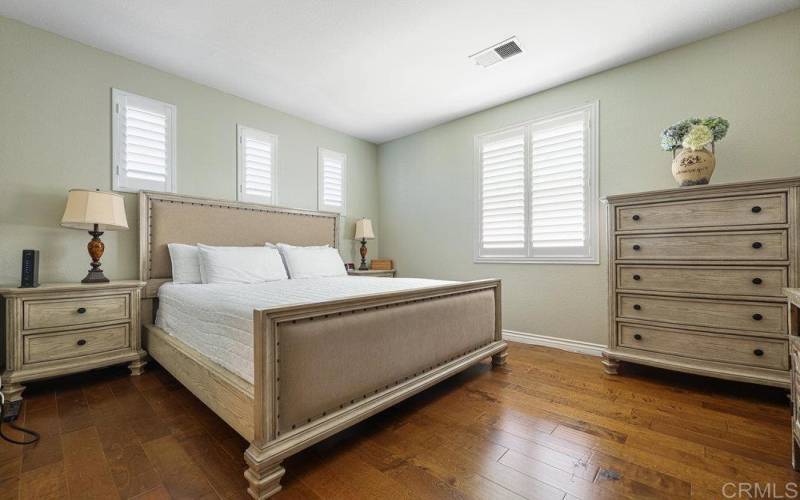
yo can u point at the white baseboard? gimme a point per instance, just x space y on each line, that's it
564 344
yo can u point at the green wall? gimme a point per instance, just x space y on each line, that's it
750 76
55 134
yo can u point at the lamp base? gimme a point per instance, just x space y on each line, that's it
363 250
95 276
96 248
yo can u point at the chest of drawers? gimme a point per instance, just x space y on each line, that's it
58 329
696 279
794 356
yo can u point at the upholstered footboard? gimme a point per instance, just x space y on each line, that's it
323 367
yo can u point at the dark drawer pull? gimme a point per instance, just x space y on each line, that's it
758 317
81 310
757 244
636 277
637 247
637 307
755 209
81 342
636 217
637 337
757 281
758 352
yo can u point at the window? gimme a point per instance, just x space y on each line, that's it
256 160
537 190
143 143
332 187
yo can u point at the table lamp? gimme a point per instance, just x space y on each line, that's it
95 211
364 233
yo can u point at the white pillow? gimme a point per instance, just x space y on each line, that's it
312 262
185 263
240 264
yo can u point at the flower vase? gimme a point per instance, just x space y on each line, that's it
693 167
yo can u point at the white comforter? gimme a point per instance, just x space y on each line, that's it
217 320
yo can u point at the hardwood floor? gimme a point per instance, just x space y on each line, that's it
549 425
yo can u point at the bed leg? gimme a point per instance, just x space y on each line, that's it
499 359
264 477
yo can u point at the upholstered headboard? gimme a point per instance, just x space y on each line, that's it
171 218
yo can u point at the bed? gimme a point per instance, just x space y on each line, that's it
287 364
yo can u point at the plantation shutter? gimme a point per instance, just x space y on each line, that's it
143 143
332 187
559 186
257 151
502 193
537 190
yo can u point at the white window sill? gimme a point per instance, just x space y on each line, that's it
529 260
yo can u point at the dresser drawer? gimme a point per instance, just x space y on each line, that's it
757 281
752 351
49 313
734 211
41 347
734 315
751 245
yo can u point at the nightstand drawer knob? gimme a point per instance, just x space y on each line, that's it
757 281
757 245
758 352
755 209
758 317
637 277
637 307
637 337
81 342
636 217
637 247
81 310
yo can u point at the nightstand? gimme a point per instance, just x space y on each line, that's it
388 273
58 329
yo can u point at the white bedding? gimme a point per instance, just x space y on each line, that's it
217 319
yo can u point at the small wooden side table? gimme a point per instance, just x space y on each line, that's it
388 273
62 328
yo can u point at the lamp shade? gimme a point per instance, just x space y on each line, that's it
86 208
364 230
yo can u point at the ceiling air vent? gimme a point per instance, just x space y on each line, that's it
496 53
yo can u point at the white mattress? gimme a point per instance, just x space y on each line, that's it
217 319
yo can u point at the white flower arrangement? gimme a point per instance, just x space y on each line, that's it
698 137
672 137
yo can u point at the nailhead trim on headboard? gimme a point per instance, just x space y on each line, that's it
150 198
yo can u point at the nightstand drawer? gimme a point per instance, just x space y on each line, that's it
55 346
49 313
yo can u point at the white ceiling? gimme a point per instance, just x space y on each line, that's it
379 69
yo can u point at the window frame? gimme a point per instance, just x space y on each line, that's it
117 98
591 207
263 136
321 206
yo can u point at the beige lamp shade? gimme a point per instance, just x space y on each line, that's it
87 208
364 230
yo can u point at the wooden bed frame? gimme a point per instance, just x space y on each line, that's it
254 410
